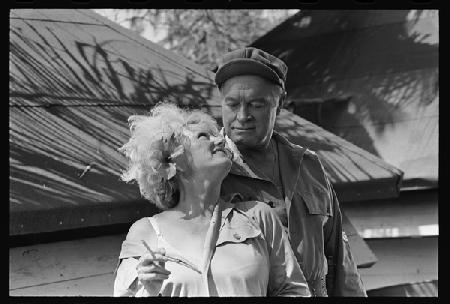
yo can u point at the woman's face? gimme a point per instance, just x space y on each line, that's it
206 151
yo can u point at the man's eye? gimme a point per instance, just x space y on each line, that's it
258 104
232 105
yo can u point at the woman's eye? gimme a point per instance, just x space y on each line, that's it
200 135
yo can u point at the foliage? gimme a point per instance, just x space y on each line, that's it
204 35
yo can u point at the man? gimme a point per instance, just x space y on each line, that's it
288 177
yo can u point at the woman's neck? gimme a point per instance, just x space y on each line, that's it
200 198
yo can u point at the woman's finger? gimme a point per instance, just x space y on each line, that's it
160 250
152 268
155 255
148 260
152 276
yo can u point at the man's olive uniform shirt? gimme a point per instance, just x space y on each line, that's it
311 214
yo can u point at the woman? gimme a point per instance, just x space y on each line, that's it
200 244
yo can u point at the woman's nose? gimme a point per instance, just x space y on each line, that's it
219 141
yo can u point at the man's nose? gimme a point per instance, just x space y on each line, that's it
243 114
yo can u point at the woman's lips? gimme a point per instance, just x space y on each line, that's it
225 151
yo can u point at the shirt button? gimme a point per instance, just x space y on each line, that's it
237 236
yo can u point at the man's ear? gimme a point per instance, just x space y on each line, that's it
281 101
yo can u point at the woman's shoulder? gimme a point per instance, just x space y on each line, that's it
141 230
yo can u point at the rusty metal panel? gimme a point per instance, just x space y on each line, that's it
72 87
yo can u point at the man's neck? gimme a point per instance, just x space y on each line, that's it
261 153
261 160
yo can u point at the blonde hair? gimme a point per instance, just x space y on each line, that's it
156 139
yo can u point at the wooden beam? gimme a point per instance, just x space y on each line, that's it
413 214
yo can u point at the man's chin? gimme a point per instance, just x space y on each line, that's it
244 144
248 142
243 139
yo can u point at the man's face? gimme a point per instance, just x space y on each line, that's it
249 109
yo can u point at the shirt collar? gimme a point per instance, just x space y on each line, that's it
284 147
228 203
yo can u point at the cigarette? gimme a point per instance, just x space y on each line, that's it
148 248
178 260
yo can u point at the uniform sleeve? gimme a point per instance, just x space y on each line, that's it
343 278
285 276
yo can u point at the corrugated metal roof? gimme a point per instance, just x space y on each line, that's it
75 77
355 173
385 63
415 289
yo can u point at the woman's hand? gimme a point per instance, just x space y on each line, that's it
152 272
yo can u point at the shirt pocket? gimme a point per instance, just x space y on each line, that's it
237 234
317 201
